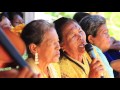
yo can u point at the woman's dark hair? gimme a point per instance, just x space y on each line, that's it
3 14
59 25
34 32
91 23
13 14
79 15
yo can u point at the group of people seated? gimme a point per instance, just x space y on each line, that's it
57 50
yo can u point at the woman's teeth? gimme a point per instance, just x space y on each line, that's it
81 46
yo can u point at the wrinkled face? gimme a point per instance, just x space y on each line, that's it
17 20
74 38
5 23
49 48
102 39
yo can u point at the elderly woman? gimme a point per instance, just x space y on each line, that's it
97 34
75 62
115 44
43 47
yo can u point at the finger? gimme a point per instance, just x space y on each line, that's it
93 61
97 64
100 68
100 71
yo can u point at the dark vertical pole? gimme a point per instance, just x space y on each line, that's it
4 41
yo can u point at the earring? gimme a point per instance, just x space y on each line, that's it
36 58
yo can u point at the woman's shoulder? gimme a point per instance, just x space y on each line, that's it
54 69
33 66
55 65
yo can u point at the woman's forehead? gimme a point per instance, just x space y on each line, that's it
102 28
50 34
70 26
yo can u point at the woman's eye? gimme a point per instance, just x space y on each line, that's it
80 31
106 33
73 35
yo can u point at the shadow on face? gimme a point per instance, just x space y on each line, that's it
17 20
74 38
5 23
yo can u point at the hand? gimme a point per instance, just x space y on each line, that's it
114 44
96 69
23 73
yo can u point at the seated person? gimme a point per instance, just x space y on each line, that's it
17 21
16 18
115 44
8 67
75 61
97 34
43 47
79 15
4 21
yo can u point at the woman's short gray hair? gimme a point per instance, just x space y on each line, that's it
91 23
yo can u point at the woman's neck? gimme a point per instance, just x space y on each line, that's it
43 66
76 56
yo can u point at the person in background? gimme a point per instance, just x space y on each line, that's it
17 22
4 21
115 44
43 47
8 67
79 15
75 61
97 34
16 18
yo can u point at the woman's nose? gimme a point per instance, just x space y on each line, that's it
58 46
80 36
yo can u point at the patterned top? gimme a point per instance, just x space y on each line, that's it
54 69
72 68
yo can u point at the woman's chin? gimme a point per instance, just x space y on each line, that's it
55 60
81 50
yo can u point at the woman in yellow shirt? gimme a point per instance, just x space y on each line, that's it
43 47
75 61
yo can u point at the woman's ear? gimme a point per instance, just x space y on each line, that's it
90 39
33 48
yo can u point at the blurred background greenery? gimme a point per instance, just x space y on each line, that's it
112 19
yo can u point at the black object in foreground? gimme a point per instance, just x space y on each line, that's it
89 49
